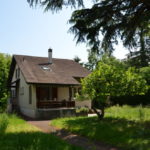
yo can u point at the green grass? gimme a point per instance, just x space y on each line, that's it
19 135
130 113
125 127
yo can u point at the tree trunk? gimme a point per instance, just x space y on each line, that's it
100 113
143 50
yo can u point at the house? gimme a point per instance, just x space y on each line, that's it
44 88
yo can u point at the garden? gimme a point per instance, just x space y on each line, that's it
125 127
16 134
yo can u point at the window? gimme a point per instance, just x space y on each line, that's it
46 93
17 74
46 68
13 93
22 91
30 94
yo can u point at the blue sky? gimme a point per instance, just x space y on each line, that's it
28 31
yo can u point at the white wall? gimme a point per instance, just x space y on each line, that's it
30 109
14 77
23 98
86 103
63 93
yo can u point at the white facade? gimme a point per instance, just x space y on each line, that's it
23 95
27 99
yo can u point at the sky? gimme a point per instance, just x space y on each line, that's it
31 31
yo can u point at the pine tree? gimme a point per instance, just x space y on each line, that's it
107 21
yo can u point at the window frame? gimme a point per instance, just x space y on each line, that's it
30 94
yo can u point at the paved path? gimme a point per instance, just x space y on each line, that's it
71 138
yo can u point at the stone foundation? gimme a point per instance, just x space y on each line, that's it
55 113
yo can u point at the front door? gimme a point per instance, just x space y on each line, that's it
54 93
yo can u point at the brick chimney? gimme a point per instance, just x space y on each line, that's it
50 56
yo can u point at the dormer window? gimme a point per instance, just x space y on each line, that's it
46 68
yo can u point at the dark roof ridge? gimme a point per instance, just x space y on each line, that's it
62 71
43 57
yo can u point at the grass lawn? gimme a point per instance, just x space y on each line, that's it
21 136
125 127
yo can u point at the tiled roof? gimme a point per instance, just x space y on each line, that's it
61 71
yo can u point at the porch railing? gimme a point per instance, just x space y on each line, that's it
55 104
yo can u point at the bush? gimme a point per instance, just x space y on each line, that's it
82 109
3 103
5 61
3 123
132 100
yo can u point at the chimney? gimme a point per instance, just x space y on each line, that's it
50 56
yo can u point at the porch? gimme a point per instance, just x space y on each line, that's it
55 104
48 97
52 113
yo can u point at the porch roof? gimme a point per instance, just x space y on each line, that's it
37 70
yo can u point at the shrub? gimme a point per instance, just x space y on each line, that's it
3 123
82 110
3 103
5 61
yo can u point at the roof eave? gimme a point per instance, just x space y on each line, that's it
55 84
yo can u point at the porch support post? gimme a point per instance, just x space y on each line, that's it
70 93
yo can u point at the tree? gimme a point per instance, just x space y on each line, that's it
78 60
111 78
128 20
145 72
4 70
56 5
93 58
141 57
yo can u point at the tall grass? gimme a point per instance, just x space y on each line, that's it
137 113
20 135
125 127
3 123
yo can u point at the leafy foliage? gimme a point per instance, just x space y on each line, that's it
111 78
145 72
93 58
56 5
127 19
141 56
4 70
136 99
78 60
3 123
107 21
82 110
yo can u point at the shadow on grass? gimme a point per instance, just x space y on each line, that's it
118 132
33 141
